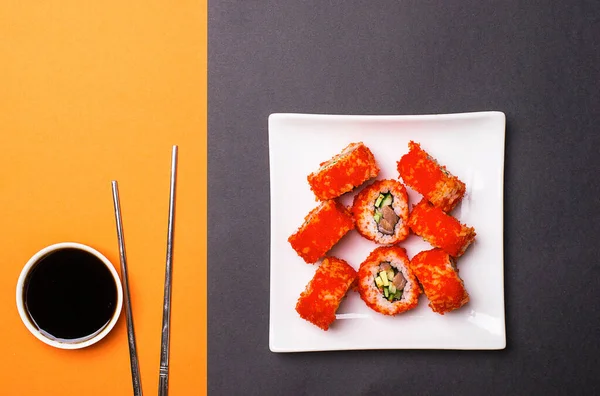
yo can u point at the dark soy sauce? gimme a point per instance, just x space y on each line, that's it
70 294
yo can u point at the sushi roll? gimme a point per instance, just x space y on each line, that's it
437 273
386 283
423 174
342 173
380 212
323 227
440 229
323 294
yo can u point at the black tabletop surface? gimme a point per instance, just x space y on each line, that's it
538 62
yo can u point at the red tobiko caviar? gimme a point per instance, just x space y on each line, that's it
423 174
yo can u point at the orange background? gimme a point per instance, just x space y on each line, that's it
90 92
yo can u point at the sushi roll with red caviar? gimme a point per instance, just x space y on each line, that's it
386 283
440 229
323 227
342 173
423 174
381 212
437 273
323 294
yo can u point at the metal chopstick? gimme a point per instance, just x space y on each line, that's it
163 379
133 359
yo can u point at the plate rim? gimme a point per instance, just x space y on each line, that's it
407 117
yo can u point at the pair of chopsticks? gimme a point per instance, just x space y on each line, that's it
163 386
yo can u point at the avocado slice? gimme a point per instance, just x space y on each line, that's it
390 274
380 198
377 216
384 278
387 201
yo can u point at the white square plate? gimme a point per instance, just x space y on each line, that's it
471 145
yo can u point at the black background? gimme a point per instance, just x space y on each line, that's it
537 61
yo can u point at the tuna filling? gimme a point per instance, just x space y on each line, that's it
390 282
384 216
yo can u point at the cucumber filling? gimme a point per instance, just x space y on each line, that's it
384 216
390 282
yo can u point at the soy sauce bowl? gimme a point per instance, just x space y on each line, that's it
69 295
